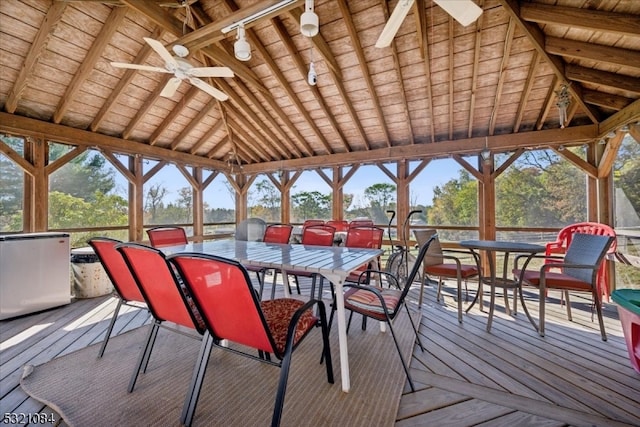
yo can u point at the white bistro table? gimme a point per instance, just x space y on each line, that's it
333 262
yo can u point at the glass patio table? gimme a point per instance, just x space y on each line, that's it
492 247
333 262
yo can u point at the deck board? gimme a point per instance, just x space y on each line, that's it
465 376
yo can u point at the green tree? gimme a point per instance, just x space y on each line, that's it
267 201
83 177
455 203
311 204
12 185
380 196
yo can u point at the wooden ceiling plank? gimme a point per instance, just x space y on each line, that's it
506 53
88 63
258 147
218 146
197 120
604 78
528 86
427 68
204 138
589 19
451 85
476 70
146 106
302 69
537 38
362 62
593 52
37 48
175 112
548 103
124 81
286 86
249 117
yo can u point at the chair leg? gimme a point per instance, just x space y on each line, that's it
110 328
460 299
143 360
566 297
404 364
541 314
193 392
326 348
415 329
438 292
598 304
261 274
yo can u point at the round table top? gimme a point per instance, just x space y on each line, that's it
505 246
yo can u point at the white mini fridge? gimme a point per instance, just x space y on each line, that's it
34 272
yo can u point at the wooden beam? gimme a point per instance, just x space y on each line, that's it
526 91
145 107
604 78
37 48
207 135
476 68
588 19
88 63
197 120
498 143
606 100
64 159
629 115
173 114
587 167
609 155
506 53
600 53
68 135
537 38
23 164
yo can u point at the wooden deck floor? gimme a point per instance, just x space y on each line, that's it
464 377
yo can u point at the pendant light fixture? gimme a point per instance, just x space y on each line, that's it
309 21
241 47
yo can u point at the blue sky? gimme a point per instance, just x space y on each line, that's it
436 173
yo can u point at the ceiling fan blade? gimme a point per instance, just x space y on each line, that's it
394 22
171 87
211 72
138 67
463 11
162 51
218 94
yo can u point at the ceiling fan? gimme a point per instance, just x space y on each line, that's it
463 11
181 69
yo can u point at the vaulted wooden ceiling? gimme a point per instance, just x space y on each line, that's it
439 89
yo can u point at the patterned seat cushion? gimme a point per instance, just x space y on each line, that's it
370 303
278 313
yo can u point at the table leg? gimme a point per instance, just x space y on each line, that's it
285 284
342 331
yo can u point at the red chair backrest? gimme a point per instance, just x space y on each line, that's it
319 235
566 234
158 284
360 223
167 236
364 237
278 233
116 268
339 225
223 294
312 222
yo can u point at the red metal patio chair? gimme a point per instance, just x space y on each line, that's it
442 264
274 233
317 235
167 236
338 224
123 282
360 223
230 309
164 294
579 272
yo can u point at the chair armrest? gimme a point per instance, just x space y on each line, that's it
361 279
554 258
446 252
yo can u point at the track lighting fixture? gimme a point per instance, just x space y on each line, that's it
241 47
309 22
